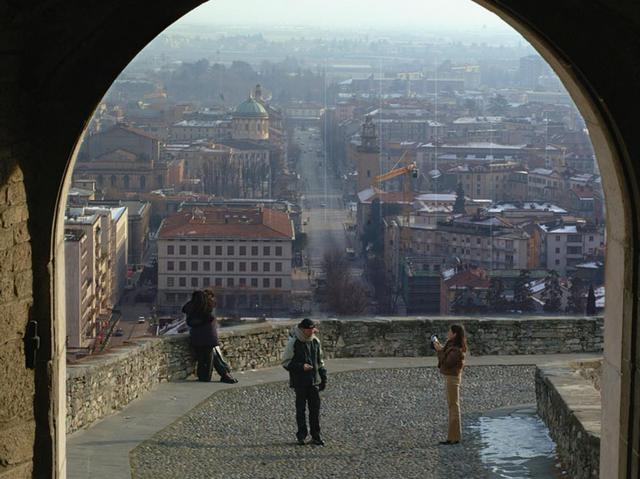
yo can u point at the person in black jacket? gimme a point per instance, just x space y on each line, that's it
304 360
203 333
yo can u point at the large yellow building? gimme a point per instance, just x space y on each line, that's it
490 181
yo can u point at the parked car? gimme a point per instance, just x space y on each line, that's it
119 332
141 320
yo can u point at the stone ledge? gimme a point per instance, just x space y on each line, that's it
571 407
100 385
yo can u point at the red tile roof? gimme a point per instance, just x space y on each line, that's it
134 130
468 278
583 193
227 223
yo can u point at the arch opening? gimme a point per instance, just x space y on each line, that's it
620 222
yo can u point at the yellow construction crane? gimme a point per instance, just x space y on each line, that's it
408 171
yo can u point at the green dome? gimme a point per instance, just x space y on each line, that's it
250 108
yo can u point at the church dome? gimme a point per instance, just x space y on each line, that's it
250 108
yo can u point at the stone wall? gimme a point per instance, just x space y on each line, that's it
571 408
106 383
590 370
410 336
17 419
103 384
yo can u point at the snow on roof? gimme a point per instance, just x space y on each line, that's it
582 177
542 171
567 229
443 208
475 144
590 265
436 197
199 123
365 195
448 273
477 119
529 205
537 285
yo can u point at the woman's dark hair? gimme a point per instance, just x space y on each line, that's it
460 340
199 302
211 298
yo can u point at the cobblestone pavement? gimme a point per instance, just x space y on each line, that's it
377 424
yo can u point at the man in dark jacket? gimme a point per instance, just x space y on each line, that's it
304 360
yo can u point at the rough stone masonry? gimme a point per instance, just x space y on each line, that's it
104 384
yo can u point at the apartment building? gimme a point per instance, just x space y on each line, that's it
566 245
80 308
545 184
190 130
244 255
107 232
489 181
483 241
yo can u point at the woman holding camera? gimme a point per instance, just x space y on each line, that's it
450 363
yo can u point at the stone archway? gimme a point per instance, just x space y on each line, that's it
60 59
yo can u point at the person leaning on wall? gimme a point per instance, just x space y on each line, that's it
450 363
203 336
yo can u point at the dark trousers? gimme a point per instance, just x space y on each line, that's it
208 359
308 395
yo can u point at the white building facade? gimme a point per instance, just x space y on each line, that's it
245 256
80 307
565 246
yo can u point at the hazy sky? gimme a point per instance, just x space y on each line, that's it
342 13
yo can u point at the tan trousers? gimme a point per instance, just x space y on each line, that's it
453 401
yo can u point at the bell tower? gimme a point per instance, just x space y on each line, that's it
369 137
366 156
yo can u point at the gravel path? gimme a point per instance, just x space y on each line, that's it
377 424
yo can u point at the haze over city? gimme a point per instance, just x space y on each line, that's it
354 14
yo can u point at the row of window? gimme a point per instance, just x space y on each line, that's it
507 243
142 181
573 238
206 282
253 266
572 250
230 300
218 250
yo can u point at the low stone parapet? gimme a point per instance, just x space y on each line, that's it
591 370
495 336
103 384
571 408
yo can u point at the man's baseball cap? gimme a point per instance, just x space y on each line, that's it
306 323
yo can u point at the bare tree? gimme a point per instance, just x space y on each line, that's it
344 294
385 292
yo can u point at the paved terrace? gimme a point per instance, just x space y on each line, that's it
382 417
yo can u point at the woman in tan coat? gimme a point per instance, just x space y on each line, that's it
450 363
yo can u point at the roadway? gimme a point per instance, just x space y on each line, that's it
324 207
130 311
